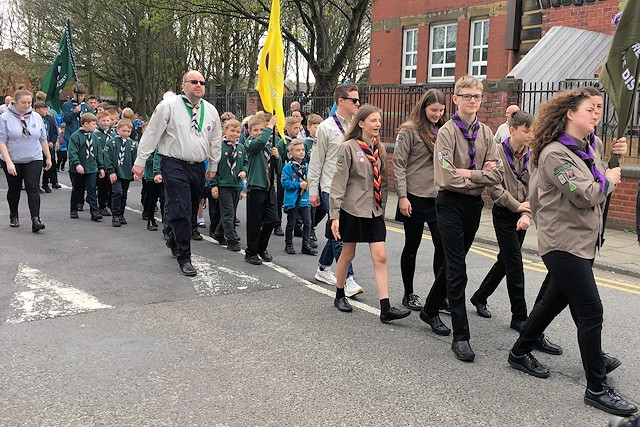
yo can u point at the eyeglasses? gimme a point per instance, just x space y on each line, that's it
467 97
195 82
354 100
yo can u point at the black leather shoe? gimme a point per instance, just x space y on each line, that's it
265 256
528 364
105 212
220 239
47 189
56 186
544 345
412 302
122 220
278 231
609 401
115 221
14 222
481 309
610 362
313 244
187 269
436 324
41 191
252 259
463 351
444 306
288 249
517 325
195 235
308 250
36 224
393 314
73 215
95 216
342 304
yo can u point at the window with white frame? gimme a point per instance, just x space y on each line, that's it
442 66
409 55
479 48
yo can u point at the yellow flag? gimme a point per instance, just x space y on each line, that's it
270 73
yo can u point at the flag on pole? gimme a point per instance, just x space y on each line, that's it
63 68
620 72
270 70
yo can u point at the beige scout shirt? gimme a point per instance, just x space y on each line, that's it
567 203
452 151
511 192
323 157
352 187
170 129
413 165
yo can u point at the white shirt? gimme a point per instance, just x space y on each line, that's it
323 157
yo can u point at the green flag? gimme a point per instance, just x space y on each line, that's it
620 72
63 68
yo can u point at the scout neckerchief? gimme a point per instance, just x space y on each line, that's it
23 120
508 153
373 158
287 154
588 159
122 151
300 169
231 157
88 145
470 139
337 120
432 135
193 112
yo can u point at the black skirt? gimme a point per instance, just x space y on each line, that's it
354 229
423 209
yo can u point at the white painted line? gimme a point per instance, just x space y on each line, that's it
48 298
211 279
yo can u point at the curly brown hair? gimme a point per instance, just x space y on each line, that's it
551 119
419 122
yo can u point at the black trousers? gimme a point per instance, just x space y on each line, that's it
104 192
509 263
571 283
438 291
262 217
30 174
294 216
81 182
50 176
62 160
119 192
226 206
183 184
151 196
458 221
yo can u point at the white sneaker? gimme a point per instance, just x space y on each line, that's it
326 276
351 288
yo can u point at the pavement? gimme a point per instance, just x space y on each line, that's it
620 252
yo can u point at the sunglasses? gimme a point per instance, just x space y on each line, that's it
195 82
354 100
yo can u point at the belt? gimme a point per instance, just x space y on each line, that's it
186 162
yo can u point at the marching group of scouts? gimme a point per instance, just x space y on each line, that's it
465 161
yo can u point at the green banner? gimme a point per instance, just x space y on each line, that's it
63 69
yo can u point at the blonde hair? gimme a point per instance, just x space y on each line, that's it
294 143
125 123
290 121
256 120
232 123
314 119
467 82
127 113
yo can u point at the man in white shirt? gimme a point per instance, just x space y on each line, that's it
502 132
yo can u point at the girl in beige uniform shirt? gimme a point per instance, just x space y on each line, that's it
567 204
357 199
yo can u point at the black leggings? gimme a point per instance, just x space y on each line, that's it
412 238
30 173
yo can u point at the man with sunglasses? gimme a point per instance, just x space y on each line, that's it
187 131
330 135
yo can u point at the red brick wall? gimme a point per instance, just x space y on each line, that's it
386 47
592 17
622 211
498 57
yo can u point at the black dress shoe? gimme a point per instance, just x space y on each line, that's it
187 269
105 212
95 216
481 309
195 235
342 304
252 259
393 314
266 256
412 302
444 306
14 222
122 220
56 186
73 215
36 224
463 351
436 324
288 249
278 231
47 189
234 246
610 362
609 401
528 364
41 191
517 325
313 244
544 345
308 250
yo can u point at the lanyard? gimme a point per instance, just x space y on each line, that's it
335 118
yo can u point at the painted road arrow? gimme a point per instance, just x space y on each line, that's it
47 298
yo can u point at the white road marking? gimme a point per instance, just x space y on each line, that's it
48 298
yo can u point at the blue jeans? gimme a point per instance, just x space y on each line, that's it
333 248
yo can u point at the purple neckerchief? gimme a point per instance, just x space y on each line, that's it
508 153
588 159
470 139
335 118
592 142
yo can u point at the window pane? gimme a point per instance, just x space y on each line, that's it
485 53
413 74
436 72
477 33
476 55
449 72
414 33
451 57
483 70
474 70
485 35
452 31
437 58
438 37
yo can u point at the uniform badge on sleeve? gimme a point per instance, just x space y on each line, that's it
562 179
339 160
571 175
399 139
